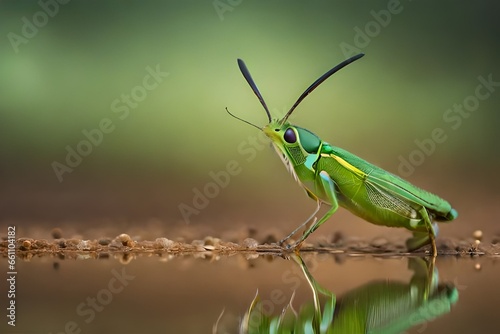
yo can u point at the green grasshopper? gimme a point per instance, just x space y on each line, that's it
333 176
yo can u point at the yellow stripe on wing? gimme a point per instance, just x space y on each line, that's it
346 165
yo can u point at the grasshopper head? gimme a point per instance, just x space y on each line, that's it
294 142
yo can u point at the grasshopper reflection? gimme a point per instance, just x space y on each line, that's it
376 307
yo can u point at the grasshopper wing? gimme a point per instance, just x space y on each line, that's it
391 184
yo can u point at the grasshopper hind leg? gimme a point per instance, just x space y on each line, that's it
421 239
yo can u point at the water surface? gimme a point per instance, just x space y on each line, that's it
206 292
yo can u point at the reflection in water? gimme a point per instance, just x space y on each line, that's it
376 307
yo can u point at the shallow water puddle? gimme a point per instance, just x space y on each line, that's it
206 292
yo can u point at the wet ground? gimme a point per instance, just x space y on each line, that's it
124 284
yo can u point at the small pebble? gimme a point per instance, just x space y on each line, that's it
104 241
41 243
83 245
478 234
379 242
211 241
250 243
477 266
26 244
163 243
124 238
72 242
56 233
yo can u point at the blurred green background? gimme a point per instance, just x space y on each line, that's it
62 66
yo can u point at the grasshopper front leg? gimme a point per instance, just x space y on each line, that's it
318 203
324 184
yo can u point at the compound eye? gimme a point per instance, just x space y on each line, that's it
290 136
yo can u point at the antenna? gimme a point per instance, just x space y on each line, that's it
248 77
318 82
241 119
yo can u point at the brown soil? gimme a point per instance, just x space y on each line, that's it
124 244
